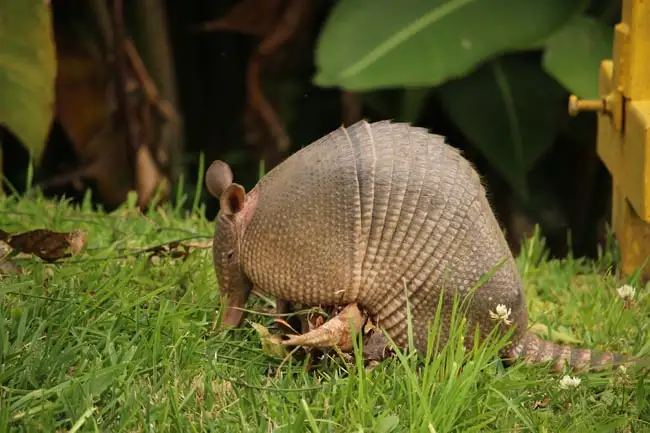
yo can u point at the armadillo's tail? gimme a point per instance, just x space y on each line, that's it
531 349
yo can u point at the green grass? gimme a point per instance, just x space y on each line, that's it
111 341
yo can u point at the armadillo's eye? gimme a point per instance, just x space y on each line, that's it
230 256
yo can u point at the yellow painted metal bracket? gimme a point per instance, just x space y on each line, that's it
624 133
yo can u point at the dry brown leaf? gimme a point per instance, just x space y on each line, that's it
87 110
81 86
46 244
149 179
285 327
176 249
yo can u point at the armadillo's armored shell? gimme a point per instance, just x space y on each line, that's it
367 211
304 238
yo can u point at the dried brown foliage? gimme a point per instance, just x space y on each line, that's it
46 244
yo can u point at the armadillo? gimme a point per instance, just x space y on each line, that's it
373 215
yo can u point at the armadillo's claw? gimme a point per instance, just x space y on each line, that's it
336 332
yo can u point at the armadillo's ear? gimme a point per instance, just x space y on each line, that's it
232 199
218 177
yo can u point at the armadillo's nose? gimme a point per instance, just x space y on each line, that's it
233 313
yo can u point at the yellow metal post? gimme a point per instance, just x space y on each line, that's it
624 133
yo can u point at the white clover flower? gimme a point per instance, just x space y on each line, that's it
622 378
502 314
626 292
569 382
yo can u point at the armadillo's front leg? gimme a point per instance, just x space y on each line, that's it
336 332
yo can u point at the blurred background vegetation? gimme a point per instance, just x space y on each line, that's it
112 96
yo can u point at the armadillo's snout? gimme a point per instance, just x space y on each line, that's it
234 308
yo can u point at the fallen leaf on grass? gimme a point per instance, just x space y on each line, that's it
46 244
176 249
285 327
271 343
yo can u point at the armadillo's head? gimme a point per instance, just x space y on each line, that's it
233 284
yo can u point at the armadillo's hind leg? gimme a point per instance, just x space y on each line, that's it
338 331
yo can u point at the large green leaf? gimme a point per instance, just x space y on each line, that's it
510 109
573 54
27 71
387 43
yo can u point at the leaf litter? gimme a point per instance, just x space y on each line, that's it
46 244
